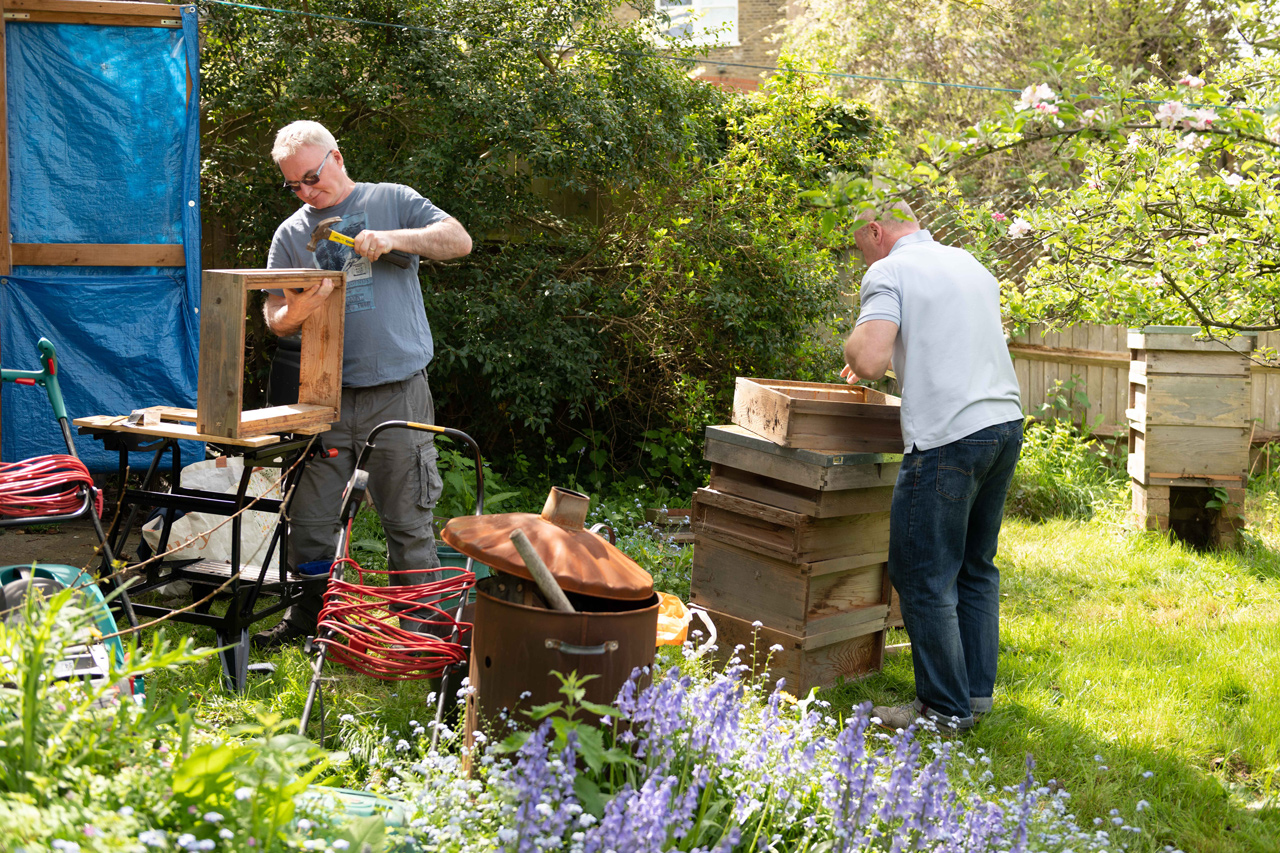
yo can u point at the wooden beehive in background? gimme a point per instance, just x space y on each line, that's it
223 305
1189 431
796 540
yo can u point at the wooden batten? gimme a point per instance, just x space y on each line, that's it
798 499
98 255
738 447
111 13
224 304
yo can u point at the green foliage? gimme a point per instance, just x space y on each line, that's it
1063 473
640 236
56 735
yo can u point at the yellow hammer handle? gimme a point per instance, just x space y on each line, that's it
341 238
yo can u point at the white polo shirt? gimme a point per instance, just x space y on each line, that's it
950 356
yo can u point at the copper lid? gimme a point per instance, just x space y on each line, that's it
581 561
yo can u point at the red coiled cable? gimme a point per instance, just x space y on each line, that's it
45 486
366 627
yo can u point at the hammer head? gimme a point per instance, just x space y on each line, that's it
321 232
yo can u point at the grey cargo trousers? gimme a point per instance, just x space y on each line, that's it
404 485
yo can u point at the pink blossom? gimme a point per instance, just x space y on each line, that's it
1093 184
1233 180
1170 113
1033 95
1200 242
1088 117
1047 108
1019 228
1192 142
1200 119
1191 82
999 217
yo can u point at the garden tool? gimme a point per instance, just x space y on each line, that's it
324 231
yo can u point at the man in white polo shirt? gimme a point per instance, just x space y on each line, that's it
934 311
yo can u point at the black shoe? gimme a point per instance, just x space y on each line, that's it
281 634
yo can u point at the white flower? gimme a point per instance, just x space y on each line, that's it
1199 242
1032 96
402 745
1143 804
776 647
1170 113
213 817
1019 228
205 844
153 838
1191 82
1233 180
1192 142
1200 119
1088 117
226 834
756 624
478 736
243 794
346 718
341 844
1134 142
544 809
304 825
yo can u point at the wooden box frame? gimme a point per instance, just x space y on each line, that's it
224 303
819 416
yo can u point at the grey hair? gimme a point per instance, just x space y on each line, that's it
898 213
300 134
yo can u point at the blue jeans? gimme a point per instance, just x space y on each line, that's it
943 528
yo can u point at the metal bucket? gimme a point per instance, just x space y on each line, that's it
516 647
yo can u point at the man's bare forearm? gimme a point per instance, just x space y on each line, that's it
440 241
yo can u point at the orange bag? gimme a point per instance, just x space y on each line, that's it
673 620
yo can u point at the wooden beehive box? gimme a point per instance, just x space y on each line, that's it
1189 406
818 660
813 472
223 307
788 536
803 599
819 416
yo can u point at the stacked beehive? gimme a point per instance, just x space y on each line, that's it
793 531
1189 431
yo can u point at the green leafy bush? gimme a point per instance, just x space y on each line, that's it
1063 473
641 237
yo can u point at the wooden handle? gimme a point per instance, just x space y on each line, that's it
541 574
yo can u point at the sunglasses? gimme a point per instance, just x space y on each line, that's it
310 180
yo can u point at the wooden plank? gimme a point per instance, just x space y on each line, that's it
320 362
1186 339
98 255
1114 380
1196 400
116 423
1196 363
220 393
802 669
1196 450
1067 355
285 419
812 502
1093 373
789 596
740 448
119 14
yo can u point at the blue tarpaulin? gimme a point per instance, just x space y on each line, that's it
103 129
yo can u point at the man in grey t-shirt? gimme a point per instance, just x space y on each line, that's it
934 312
387 346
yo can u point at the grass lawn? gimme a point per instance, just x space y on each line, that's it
1134 671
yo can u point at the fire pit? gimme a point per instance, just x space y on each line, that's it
519 641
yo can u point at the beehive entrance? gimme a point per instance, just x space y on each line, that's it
1191 519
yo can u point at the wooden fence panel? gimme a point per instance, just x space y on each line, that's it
1095 360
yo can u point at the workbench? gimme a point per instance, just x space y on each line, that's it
241 586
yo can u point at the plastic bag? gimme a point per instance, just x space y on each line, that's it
673 620
196 529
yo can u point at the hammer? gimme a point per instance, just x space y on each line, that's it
324 231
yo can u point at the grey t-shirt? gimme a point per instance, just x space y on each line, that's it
950 355
387 337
